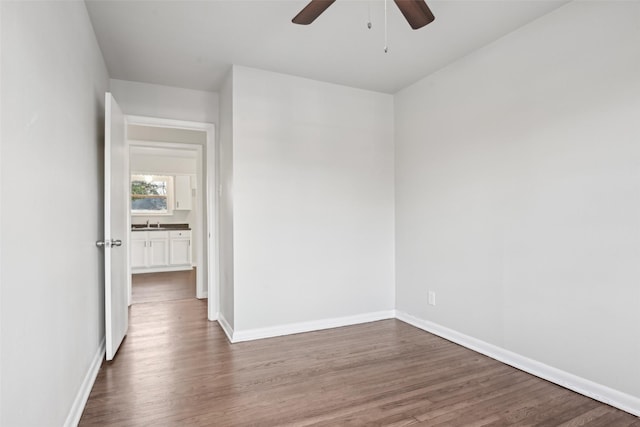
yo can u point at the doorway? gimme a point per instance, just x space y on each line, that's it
173 216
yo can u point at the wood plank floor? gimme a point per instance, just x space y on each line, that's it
165 286
176 368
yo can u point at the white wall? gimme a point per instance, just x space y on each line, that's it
312 200
162 164
518 193
164 134
151 100
53 85
225 174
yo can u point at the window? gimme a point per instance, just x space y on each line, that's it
149 194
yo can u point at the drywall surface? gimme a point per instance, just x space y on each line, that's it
164 134
518 193
225 197
151 100
151 164
53 86
313 199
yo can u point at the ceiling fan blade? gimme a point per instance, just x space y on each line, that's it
311 11
416 12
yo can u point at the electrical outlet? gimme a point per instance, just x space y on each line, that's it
432 298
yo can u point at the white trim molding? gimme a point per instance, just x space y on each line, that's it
169 123
208 224
314 325
143 270
85 388
226 327
586 387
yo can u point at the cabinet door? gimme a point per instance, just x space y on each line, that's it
180 250
182 192
138 249
158 250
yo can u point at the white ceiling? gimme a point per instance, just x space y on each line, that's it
192 44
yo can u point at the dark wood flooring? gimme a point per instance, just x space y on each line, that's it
176 368
165 286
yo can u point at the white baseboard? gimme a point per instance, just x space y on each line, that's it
314 325
228 330
586 387
143 270
85 388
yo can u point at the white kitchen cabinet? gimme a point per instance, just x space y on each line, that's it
139 249
158 252
162 250
182 193
180 242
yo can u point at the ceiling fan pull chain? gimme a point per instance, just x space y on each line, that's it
369 21
386 45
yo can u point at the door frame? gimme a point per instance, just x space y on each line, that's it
201 203
210 210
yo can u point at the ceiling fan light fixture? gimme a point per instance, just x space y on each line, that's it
416 12
311 11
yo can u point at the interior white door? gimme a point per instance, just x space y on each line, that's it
116 190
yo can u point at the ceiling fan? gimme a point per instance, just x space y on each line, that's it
416 12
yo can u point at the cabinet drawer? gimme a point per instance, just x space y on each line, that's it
153 235
139 235
185 234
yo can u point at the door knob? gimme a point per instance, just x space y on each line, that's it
108 243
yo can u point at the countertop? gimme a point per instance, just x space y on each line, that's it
163 227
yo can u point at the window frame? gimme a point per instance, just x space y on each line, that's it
138 176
